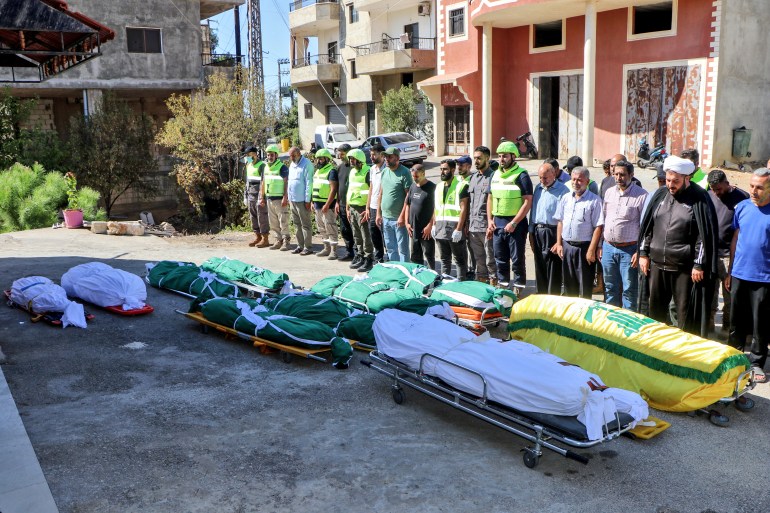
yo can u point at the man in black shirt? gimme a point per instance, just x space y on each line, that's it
419 217
450 217
342 177
724 197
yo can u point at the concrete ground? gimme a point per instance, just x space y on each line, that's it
148 414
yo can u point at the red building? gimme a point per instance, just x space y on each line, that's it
592 77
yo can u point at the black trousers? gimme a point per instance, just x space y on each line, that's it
750 308
376 233
547 265
346 231
578 273
457 250
667 285
424 252
509 254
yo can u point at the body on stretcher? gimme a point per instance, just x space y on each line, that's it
539 429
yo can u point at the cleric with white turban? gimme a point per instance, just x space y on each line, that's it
679 165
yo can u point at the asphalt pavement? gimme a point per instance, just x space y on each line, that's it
149 414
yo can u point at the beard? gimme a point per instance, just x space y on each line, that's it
445 177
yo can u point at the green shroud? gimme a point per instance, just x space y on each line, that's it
327 286
405 275
313 307
189 278
476 295
248 316
358 328
235 270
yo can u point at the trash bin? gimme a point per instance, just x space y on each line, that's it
741 141
284 145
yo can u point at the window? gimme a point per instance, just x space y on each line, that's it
457 22
353 73
143 40
352 13
655 20
549 34
407 79
308 111
335 90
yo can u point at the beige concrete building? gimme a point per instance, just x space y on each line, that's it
160 48
346 54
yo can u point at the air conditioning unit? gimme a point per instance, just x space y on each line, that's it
423 9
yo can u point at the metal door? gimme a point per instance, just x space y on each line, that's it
337 115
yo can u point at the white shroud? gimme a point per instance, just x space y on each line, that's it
103 285
518 375
42 295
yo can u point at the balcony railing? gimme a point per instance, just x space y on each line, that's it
388 44
295 5
311 60
222 59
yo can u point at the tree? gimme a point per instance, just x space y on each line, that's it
287 126
399 110
111 151
207 133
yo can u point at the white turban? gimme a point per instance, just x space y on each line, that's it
679 165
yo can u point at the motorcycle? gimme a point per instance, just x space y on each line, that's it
529 145
650 158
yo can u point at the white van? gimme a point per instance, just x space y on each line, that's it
332 136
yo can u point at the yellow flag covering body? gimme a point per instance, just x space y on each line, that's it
672 370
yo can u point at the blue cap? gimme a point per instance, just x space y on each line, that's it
465 159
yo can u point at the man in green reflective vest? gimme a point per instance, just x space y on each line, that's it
275 176
508 203
325 198
699 176
450 214
257 212
356 211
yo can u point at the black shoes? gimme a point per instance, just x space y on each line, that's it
356 263
366 265
348 257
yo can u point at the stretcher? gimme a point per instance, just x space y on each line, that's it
52 318
478 306
478 321
286 352
111 289
542 430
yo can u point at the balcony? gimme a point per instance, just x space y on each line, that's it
315 69
211 8
221 63
308 17
396 55
386 5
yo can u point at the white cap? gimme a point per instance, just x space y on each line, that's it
679 165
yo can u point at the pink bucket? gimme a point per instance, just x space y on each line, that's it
73 218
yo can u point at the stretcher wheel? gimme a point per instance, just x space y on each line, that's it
530 459
398 395
287 357
718 419
204 329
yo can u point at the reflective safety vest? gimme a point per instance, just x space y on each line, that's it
358 189
448 210
252 171
321 187
701 178
506 195
273 179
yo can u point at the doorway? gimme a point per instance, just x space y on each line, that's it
557 113
548 130
413 31
457 129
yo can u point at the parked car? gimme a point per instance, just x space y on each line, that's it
332 136
413 150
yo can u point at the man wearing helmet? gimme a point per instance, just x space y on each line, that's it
508 203
275 198
325 185
257 211
343 171
356 211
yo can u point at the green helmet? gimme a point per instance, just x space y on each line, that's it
508 147
358 155
273 148
323 152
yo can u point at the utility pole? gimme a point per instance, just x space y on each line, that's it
284 90
237 22
256 72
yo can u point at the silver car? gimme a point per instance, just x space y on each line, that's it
412 150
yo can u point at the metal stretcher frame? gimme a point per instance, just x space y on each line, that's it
255 290
509 420
287 352
483 321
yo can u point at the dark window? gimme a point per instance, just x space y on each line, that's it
308 111
352 13
353 73
653 18
547 34
335 90
398 139
457 22
143 40
407 79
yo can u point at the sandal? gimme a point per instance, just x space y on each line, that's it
759 375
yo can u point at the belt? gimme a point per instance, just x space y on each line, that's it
543 225
577 242
621 244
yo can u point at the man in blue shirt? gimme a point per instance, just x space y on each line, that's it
579 229
749 280
542 230
300 185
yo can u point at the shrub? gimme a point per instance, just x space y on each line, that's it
30 197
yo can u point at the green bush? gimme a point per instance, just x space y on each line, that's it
88 199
